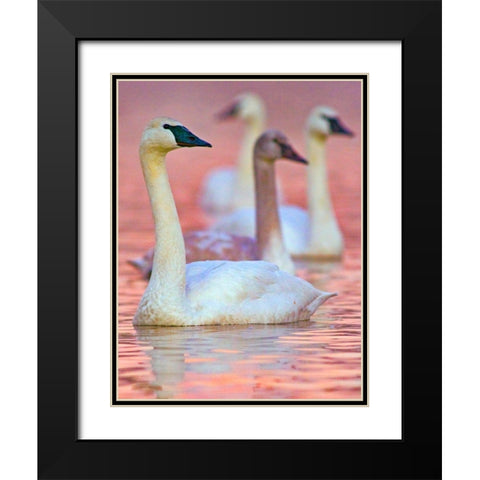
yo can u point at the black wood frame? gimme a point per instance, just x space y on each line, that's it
62 25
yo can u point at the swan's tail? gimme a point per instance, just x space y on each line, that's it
311 308
326 295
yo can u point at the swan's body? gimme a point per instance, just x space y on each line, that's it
210 292
268 244
227 189
224 292
306 234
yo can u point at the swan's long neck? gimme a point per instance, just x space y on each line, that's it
244 181
319 204
269 238
167 281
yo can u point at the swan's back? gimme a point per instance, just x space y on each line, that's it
211 245
223 292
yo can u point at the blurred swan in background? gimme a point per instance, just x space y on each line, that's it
268 244
226 189
313 233
209 292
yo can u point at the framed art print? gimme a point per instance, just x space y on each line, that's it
240 233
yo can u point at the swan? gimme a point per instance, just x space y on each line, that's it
209 292
312 234
268 244
226 189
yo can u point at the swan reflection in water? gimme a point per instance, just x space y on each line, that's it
241 362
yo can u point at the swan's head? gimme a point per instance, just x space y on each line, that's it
273 145
247 107
324 121
165 134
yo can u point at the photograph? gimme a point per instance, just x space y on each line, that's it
239 239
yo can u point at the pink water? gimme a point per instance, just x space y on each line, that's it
320 359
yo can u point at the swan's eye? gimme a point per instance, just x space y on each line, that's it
166 126
324 116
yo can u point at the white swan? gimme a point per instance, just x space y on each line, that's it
227 189
314 233
210 292
268 244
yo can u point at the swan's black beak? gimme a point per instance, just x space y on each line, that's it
289 153
336 126
185 138
228 112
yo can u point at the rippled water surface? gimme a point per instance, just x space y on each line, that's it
319 359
